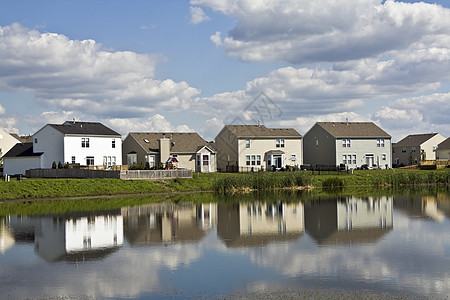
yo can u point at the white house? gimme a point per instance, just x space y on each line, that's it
84 143
350 143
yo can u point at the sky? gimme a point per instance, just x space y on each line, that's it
198 65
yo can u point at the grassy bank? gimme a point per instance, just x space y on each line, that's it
219 182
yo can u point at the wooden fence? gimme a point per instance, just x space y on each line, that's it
72 173
124 175
154 174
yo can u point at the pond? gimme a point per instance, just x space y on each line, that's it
392 244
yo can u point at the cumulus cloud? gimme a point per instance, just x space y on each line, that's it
155 123
198 15
79 76
315 31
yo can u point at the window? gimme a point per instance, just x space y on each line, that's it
247 143
105 161
198 160
73 159
403 149
205 160
383 156
84 142
280 143
90 160
317 143
434 148
380 142
151 161
253 160
346 143
413 149
113 143
344 159
35 141
354 159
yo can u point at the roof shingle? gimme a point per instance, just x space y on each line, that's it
414 140
85 128
181 142
354 129
22 150
255 131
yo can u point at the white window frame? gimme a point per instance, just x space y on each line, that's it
279 143
380 143
346 143
247 143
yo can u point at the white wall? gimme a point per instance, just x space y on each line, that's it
15 165
7 141
99 146
49 141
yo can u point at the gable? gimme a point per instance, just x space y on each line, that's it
414 140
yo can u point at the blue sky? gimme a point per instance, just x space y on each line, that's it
197 65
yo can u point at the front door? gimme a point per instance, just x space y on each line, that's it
276 160
369 160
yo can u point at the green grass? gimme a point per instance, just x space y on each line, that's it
218 182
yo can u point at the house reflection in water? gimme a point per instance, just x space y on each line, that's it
430 207
70 238
167 223
6 238
349 220
259 223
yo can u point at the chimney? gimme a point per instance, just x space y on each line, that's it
164 149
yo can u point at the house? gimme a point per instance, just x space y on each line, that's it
83 143
185 150
352 144
256 147
7 141
443 150
416 147
21 158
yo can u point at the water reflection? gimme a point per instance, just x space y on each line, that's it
380 243
167 223
69 238
259 223
349 220
429 207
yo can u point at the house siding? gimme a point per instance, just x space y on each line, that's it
19 165
227 148
51 142
319 147
99 147
363 149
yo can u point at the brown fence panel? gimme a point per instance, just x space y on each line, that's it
73 173
154 174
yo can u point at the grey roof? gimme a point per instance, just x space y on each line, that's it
445 144
22 150
414 140
84 128
354 129
255 131
181 142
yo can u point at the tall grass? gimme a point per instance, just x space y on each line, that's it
260 181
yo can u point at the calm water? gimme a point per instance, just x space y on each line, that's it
390 244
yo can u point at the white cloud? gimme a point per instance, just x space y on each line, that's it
216 39
316 31
211 128
2 110
155 123
198 15
78 76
